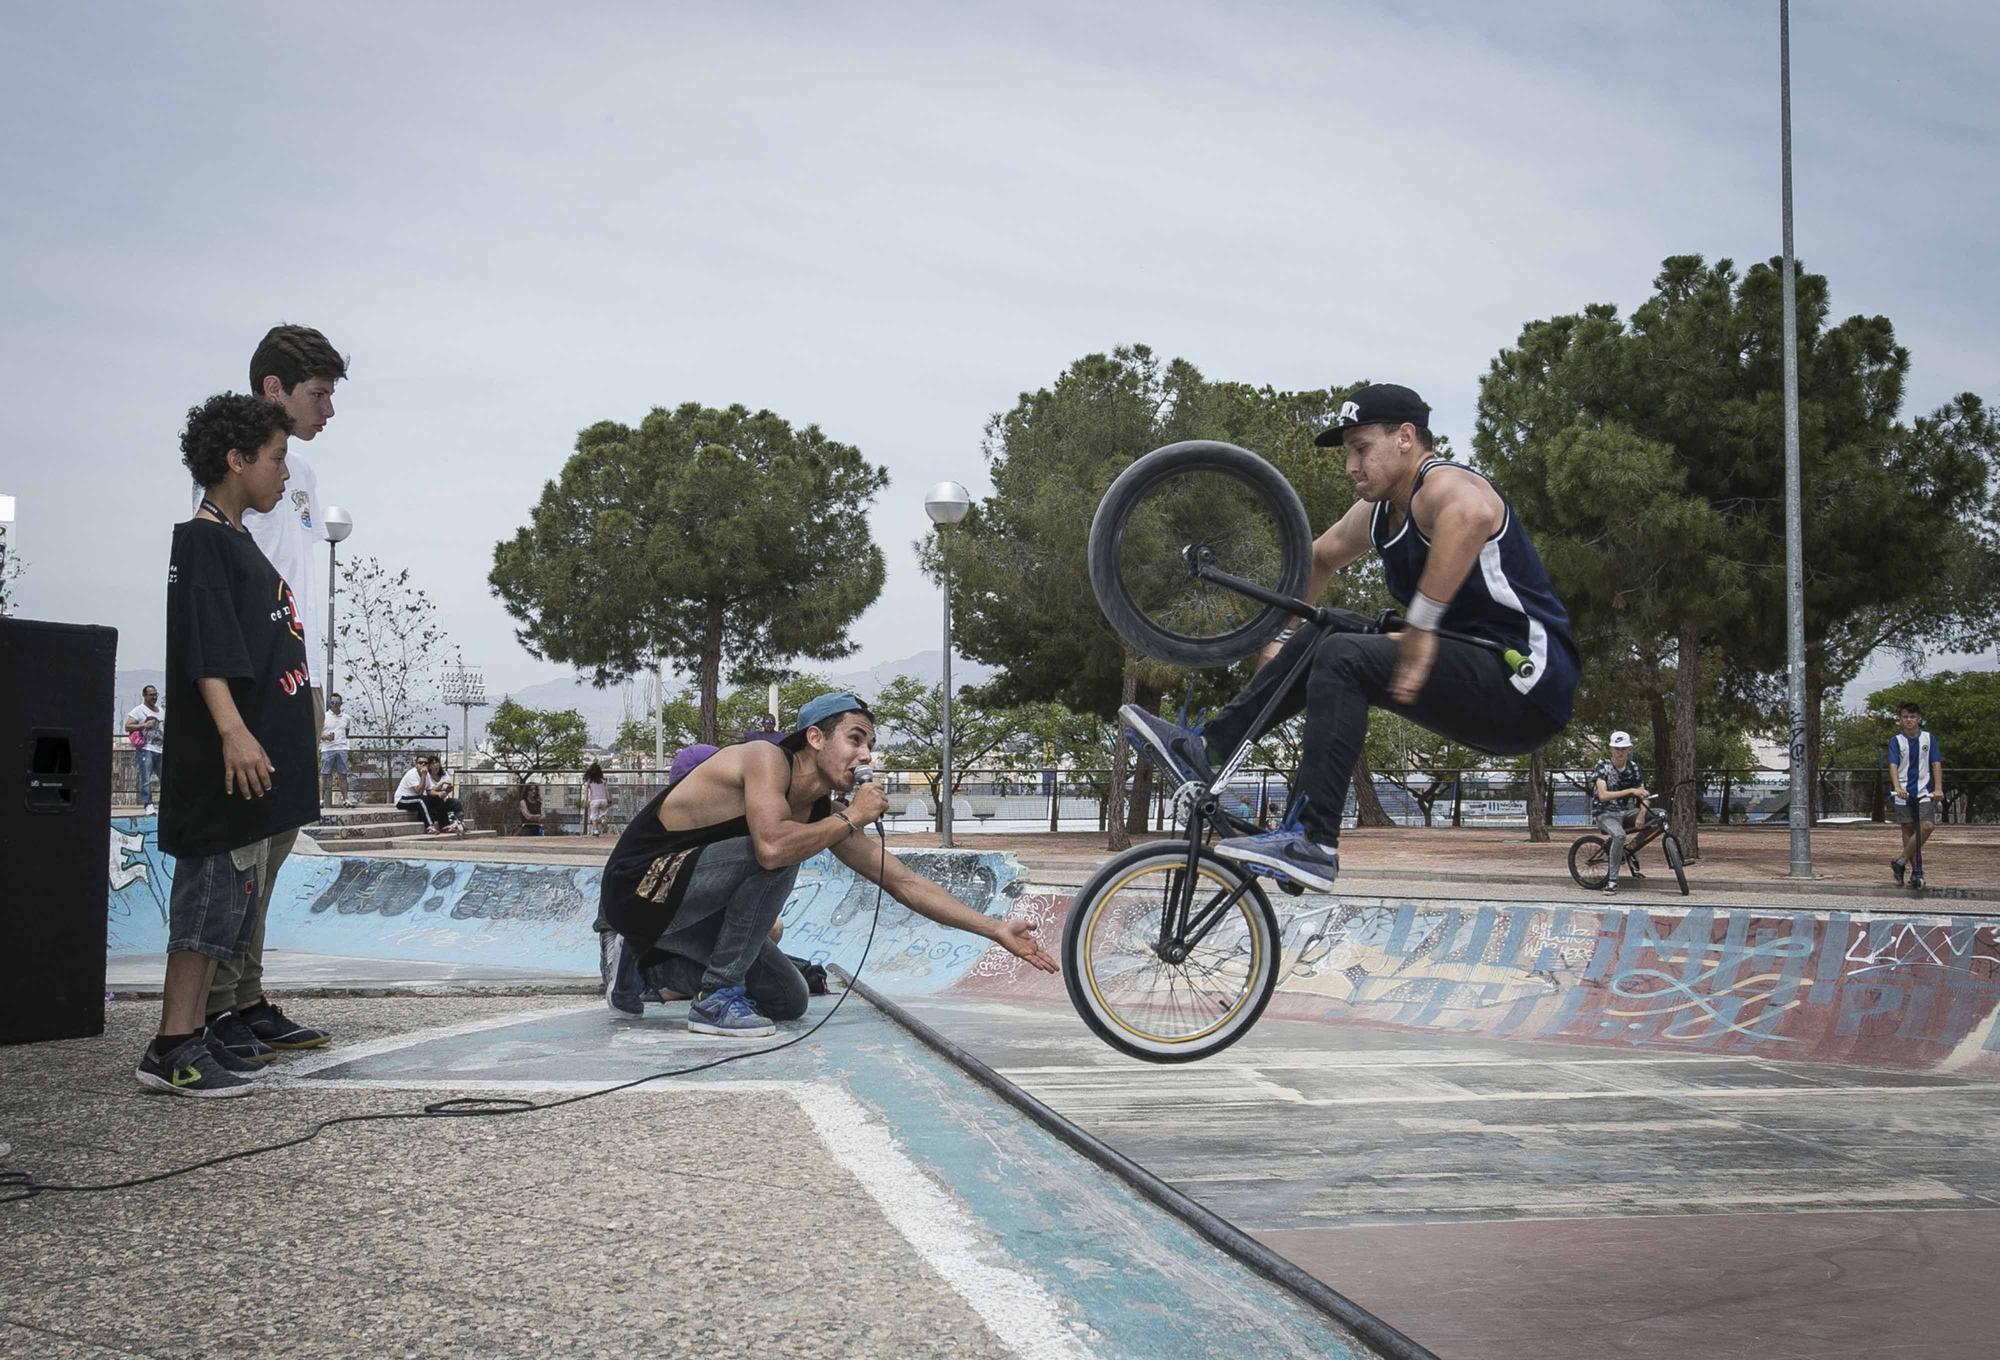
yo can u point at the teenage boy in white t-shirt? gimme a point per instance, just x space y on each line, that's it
147 718
297 368
333 752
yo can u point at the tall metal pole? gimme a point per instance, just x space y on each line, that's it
659 723
332 588
1795 604
944 783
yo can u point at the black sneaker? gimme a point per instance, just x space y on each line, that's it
1176 751
190 1070
228 1061
1896 868
271 1025
1917 882
237 1036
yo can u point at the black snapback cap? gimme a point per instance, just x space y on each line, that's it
1376 404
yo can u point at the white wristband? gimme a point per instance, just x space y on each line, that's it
1424 613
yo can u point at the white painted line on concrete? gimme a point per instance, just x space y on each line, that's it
1013 1307
337 1053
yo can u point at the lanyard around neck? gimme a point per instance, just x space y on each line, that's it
216 510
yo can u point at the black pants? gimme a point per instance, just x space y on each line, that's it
1469 698
431 807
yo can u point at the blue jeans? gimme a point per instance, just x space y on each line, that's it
721 933
149 773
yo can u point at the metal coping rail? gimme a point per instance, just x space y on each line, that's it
1211 1226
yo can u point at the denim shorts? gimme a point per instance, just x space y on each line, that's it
213 903
333 762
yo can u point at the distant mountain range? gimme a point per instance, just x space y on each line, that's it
605 709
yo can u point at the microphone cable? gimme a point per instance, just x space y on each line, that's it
17 1187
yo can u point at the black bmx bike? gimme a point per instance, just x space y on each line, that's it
1590 854
1197 555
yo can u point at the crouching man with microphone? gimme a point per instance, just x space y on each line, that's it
698 878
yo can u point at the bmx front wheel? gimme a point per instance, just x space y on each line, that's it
1590 861
1227 507
1130 994
1671 844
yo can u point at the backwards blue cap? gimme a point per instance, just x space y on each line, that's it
818 710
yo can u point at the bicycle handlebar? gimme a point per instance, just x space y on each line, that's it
1346 620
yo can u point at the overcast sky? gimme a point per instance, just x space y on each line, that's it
888 220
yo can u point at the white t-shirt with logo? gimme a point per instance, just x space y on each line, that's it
288 538
333 730
156 736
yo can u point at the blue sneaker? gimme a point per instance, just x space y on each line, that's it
624 989
728 1014
1285 853
1175 751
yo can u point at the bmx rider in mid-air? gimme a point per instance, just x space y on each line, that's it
1456 557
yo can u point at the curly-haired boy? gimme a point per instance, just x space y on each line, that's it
240 767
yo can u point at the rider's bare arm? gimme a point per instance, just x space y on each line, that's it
1457 514
1344 543
778 835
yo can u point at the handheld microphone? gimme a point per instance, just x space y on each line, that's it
865 774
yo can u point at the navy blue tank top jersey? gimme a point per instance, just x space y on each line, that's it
1506 597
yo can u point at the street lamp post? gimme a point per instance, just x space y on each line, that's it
1800 813
946 504
339 524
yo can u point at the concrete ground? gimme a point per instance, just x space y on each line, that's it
1533 1201
1491 1198
849 1196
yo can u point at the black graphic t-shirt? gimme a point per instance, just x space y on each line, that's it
230 616
650 868
1631 777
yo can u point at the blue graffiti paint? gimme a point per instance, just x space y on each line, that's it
541 917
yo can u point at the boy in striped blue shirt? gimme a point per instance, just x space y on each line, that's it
1916 787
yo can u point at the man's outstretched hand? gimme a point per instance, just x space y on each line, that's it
1018 938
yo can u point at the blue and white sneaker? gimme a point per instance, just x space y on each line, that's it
728 1013
1176 751
624 988
1285 853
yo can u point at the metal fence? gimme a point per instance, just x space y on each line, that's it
1074 800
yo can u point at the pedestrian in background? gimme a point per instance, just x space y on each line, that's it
333 753
146 725
596 799
532 821
1916 787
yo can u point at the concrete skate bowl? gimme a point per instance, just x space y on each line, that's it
1919 992
1913 991
541 917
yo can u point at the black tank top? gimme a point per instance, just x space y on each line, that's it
650 868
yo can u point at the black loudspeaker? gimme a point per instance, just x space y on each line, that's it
56 705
